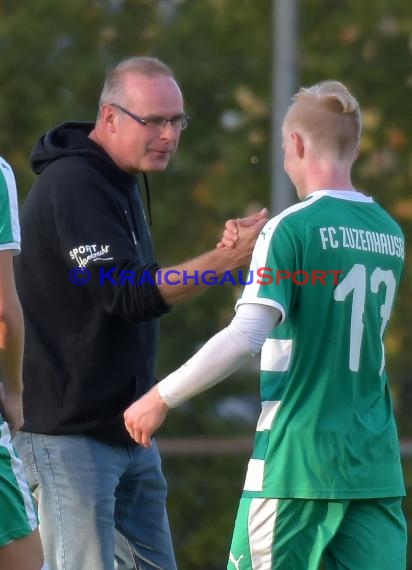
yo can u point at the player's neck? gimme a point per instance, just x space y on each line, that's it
326 176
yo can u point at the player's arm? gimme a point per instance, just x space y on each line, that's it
11 344
232 252
222 355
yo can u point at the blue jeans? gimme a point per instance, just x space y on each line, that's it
101 507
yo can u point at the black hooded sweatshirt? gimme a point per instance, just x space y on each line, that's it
91 334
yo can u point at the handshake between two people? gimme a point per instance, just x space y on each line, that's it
148 413
243 229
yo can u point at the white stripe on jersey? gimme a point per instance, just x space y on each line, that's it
261 526
10 183
275 355
254 475
18 471
267 415
351 195
256 467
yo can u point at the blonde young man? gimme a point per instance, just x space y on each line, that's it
20 547
324 482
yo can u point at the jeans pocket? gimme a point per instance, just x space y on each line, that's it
23 444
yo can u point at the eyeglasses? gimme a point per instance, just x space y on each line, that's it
179 121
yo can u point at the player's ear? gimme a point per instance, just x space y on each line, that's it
298 144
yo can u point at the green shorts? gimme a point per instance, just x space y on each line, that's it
297 534
18 516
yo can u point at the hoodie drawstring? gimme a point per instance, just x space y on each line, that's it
148 200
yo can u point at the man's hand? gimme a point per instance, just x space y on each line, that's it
145 416
11 410
230 235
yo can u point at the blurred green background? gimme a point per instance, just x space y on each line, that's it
54 56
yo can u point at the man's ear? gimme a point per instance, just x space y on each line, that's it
298 144
108 116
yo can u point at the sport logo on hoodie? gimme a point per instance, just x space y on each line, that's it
82 254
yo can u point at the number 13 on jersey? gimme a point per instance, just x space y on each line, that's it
358 282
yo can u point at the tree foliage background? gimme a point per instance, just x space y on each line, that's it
54 56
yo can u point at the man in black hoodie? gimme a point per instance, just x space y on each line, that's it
91 294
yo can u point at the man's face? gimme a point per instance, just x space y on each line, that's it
146 148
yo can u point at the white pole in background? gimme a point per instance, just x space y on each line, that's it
284 86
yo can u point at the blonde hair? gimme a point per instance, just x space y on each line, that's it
329 115
113 88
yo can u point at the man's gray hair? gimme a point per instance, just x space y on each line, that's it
147 66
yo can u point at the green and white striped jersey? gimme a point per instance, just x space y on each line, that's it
332 265
9 216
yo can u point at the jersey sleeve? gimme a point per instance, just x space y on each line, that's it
275 259
222 355
9 215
